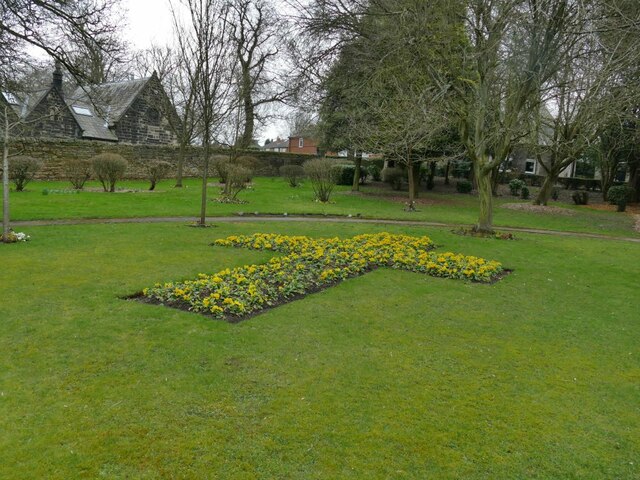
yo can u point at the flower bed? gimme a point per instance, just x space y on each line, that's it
309 265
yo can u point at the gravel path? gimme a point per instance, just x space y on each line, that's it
308 218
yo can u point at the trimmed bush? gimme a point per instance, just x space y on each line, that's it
580 197
77 171
220 166
347 171
156 171
524 193
464 186
375 172
109 168
515 186
236 181
292 173
394 176
620 195
22 170
323 177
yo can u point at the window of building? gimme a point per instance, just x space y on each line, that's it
530 166
11 98
301 142
82 111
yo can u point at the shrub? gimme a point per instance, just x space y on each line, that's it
221 167
374 172
580 197
156 171
236 181
515 186
464 186
524 193
22 170
292 173
248 162
109 168
620 195
323 177
347 171
77 171
393 176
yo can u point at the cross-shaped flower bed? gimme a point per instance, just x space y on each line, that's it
309 265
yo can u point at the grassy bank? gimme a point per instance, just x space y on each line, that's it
273 195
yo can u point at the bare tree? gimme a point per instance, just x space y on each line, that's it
257 33
204 42
54 27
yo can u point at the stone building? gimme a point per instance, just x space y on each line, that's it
134 112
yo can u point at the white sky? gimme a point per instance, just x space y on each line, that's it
150 22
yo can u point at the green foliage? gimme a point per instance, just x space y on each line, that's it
394 176
77 171
515 186
524 193
23 169
292 173
109 168
464 186
619 195
323 177
346 172
460 168
375 172
580 197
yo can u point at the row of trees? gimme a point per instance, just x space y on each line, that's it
477 78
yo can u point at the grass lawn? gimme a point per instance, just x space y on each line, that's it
389 375
273 195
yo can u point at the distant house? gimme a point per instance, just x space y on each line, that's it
304 145
134 111
278 145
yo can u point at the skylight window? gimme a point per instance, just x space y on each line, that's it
11 98
82 111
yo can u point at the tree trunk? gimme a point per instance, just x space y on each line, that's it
205 177
483 181
547 186
412 189
415 172
634 180
5 180
357 161
181 155
446 173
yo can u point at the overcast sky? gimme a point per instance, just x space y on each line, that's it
150 22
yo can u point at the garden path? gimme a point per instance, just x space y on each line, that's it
305 218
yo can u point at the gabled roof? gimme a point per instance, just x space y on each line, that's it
277 144
24 102
114 98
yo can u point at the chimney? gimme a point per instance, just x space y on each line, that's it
57 77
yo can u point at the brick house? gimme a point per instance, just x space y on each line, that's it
304 145
134 111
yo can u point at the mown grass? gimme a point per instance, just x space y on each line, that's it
274 196
389 375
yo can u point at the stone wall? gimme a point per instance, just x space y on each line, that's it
53 153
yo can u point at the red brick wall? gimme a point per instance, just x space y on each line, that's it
310 146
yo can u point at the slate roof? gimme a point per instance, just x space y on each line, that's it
277 144
114 98
93 127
